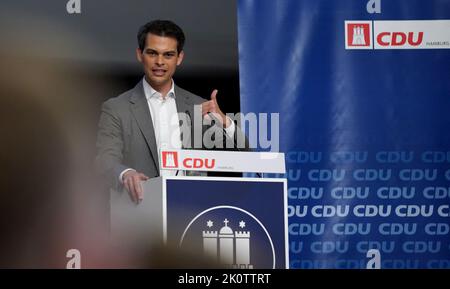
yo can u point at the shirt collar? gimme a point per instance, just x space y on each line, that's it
150 92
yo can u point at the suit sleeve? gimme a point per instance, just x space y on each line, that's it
240 139
110 145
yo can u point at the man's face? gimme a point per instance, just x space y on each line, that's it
160 60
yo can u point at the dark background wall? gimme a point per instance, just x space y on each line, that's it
102 40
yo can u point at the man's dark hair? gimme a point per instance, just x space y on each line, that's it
163 28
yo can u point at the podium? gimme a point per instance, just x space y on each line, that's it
239 222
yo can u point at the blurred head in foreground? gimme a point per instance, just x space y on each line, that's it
50 200
45 111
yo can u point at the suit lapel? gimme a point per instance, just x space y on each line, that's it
141 112
186 108
182 101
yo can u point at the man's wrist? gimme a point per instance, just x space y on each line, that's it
227 121
121 175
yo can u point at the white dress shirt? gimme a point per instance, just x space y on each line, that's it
163 110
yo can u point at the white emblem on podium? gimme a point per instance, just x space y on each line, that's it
230 244
231 248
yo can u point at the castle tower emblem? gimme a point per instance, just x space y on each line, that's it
358 36
232 248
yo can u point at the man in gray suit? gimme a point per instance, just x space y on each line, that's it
137 124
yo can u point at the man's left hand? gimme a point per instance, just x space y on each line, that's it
211 106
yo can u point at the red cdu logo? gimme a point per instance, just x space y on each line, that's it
198 163
400 39
358 35
169 159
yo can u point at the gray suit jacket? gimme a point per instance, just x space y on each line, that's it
126 137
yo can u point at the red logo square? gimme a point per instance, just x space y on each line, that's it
169 159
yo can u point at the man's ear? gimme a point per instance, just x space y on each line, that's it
139 54
180 57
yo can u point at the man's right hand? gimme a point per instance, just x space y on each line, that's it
132 182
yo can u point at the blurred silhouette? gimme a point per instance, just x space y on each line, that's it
50 198
33 158
47 193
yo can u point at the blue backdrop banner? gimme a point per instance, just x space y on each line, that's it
362 89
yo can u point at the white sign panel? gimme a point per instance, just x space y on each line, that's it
419 34
397 34
222 161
